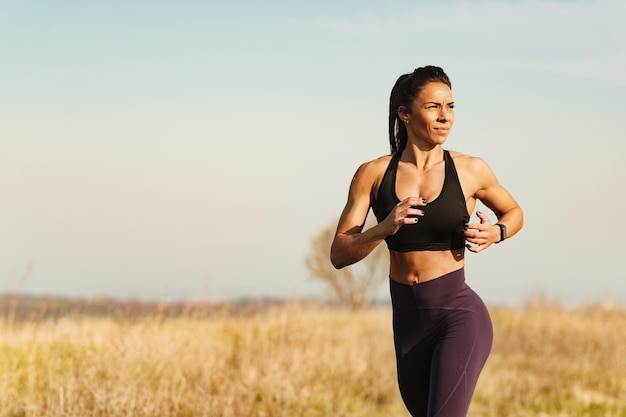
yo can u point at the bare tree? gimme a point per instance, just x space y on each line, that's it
353 285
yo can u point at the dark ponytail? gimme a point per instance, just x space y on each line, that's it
404 91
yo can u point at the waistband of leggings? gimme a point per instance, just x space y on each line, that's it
433 293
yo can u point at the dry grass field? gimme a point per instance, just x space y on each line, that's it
295 359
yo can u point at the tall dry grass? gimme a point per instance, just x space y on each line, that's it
298 360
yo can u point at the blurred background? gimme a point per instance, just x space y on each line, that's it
166 150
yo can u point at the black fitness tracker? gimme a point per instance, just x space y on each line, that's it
502 232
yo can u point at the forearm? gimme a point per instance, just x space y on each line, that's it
513 219
349 248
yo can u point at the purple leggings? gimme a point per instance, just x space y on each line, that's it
443 335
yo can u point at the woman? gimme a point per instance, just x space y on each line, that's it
422 195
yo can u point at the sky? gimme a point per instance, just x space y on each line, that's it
175 150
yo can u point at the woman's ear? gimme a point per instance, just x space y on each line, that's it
403 113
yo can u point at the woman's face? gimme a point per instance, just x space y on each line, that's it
432 114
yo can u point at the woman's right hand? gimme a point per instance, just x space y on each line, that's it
405 212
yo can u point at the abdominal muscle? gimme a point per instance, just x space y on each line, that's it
421 266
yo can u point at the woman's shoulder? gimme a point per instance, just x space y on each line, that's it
473 169
370 173
375 166
468 162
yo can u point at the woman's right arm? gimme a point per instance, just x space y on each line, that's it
351 243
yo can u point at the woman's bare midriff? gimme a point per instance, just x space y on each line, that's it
415 267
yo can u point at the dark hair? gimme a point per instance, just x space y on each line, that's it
405 90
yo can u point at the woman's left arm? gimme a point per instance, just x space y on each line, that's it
493 195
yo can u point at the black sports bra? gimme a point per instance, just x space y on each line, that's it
441 227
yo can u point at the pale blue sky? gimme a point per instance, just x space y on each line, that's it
166 150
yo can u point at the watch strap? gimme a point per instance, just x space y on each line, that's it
502 232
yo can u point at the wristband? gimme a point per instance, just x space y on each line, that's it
502 232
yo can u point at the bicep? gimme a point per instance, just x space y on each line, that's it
491 193
359 199
353 217
498 199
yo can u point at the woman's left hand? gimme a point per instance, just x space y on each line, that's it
481 235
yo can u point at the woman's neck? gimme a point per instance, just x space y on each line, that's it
422 156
